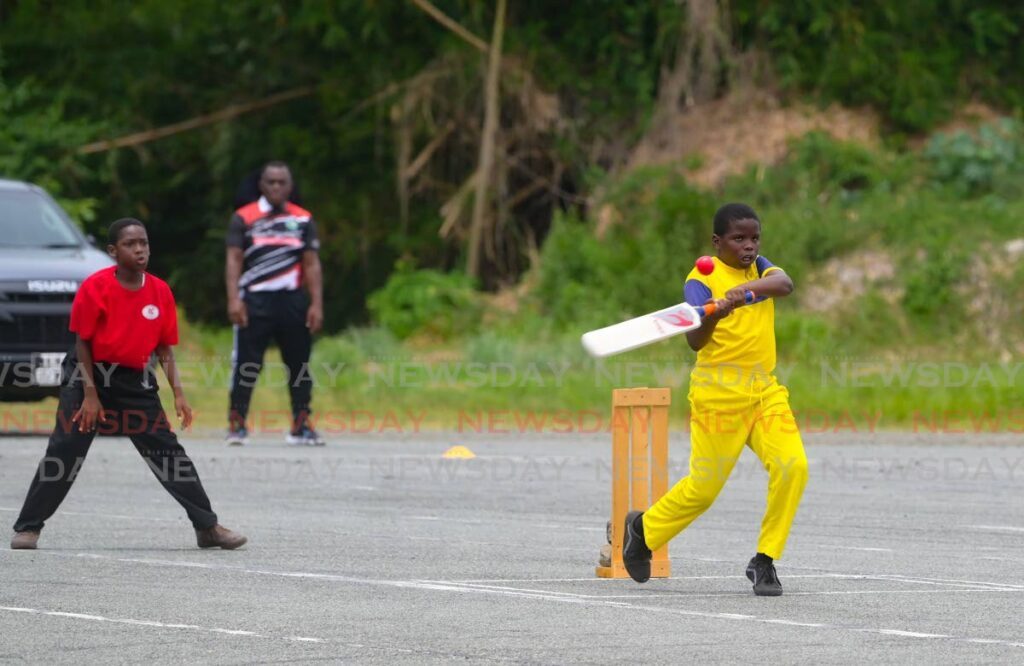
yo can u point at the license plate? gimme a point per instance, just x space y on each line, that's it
47 369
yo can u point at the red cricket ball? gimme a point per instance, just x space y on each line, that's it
705 265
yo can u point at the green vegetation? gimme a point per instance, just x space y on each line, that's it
914 60
376 83
585 281
899 251
426 301
902 350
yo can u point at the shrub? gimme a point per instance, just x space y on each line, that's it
931 283
641 263
821 168
977 163
427 301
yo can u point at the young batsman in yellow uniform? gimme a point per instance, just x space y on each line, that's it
735 401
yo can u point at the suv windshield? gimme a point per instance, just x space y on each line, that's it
30 220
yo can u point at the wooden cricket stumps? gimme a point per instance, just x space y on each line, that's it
639 467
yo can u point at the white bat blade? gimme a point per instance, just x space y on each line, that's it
641 331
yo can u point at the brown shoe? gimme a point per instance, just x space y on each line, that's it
25 541
219 536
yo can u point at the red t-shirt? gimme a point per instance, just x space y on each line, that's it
124 326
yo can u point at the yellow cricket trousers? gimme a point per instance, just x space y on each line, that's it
723 418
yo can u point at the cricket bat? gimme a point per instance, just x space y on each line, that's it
648 329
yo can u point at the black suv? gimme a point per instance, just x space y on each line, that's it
43 259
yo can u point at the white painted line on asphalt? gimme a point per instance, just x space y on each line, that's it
685 595
543 595
823 593
490 544
612 581
1003 559
151 623
834 627
792 623
867 550
911 634
996 528
915 579
591 579
116 516
499 588
920 580
948 581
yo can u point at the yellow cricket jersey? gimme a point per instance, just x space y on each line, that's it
744 340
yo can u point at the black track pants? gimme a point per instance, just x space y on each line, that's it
132 404
279 316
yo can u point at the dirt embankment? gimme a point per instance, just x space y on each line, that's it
751 128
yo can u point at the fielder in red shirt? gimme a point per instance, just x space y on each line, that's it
121 316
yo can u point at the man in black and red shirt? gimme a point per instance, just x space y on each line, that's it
121 316
271 255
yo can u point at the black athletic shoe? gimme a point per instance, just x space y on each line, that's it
305 436
635 553
763 576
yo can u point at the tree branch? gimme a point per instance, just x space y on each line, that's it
487 139
421 160
226 113
449 23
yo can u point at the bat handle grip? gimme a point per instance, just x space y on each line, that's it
711 307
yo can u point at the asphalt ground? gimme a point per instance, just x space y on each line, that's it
907 549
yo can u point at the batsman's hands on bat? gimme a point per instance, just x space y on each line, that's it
737 296
723 308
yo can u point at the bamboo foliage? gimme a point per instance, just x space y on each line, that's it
488 170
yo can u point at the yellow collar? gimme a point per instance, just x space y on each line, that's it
738 272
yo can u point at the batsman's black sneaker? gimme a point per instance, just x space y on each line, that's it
635 553
761 572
